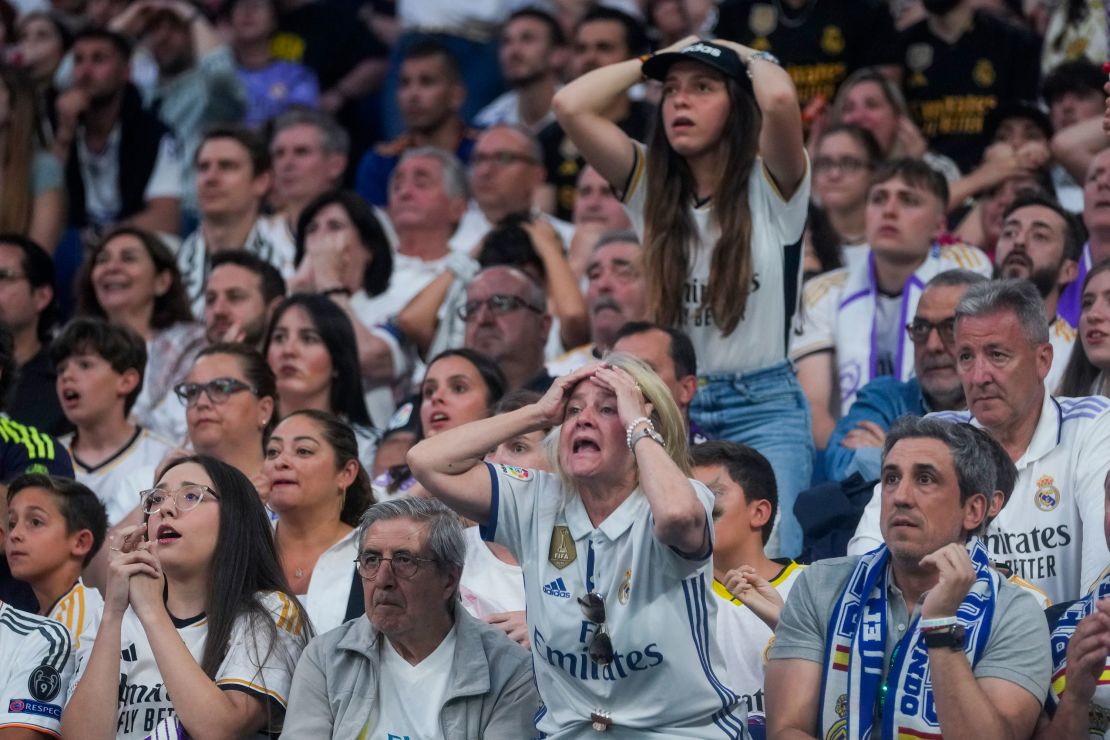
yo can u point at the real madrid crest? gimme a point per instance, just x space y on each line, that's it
839 729
919 57
562 552
983 73
625 590
763 19
1047 496
832 40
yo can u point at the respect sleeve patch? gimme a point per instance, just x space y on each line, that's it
30 706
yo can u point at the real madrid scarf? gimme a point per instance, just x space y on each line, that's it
855 654
1062 633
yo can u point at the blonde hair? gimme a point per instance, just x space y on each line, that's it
664 414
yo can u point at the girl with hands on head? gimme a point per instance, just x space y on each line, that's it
200 632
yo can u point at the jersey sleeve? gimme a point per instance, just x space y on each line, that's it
25 449
788 215
36 673
682 565
815 324
868 535
1018 650
261 660
514 494
800 633
633 191
1093 465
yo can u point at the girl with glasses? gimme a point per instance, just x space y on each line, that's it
229 397
616 549
200 632
318 489
844 158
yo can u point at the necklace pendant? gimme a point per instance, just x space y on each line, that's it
298 573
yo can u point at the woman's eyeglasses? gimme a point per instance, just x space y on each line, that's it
847 165
185 498
404 565
218 390
600 647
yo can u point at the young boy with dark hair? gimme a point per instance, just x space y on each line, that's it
100 374
751 587
55 526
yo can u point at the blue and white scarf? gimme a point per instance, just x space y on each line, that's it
1062 633
855 643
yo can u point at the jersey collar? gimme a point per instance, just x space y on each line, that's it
614 525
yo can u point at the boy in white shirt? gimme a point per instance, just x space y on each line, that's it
55 526
751 588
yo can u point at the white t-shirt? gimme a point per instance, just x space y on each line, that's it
118 480
254 664
658 606
488 584
1050 533
410 695
35 672
474 226
759 340
505 109
745 639
329 587
1061 335
79 610
100 175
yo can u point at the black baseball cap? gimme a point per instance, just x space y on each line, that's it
1016 109
721 58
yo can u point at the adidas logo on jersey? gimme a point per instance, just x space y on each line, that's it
557 588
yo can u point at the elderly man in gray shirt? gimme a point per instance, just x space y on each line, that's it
920 637
416 665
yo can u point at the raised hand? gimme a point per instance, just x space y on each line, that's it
756 592
956 576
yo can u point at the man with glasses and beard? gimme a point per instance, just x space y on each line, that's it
1041 242
857 441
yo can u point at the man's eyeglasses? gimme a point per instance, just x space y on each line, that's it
847 165
218 390
600 646
920 329
7 276
501 159
499 305
185 498
404 565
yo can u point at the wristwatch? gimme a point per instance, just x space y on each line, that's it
645 431
765 56
951 637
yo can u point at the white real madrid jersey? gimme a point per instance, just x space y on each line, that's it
659 612
745 639
778 225
253 664
1050 533
80 610
36 670
118 480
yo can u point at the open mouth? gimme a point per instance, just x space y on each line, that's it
438 418
585 445
70 395
681 123
166 533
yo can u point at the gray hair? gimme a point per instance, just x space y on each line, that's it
1017 296
956 279
334 139
617 236
536 295
970 448
454 175
535 151
445 534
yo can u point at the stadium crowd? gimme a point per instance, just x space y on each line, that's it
428 370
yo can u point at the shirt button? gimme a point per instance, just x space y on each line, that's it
901 628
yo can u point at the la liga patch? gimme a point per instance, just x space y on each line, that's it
513 471
30 706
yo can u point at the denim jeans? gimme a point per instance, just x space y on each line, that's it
764 409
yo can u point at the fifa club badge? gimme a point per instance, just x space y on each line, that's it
562 552
1047 496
